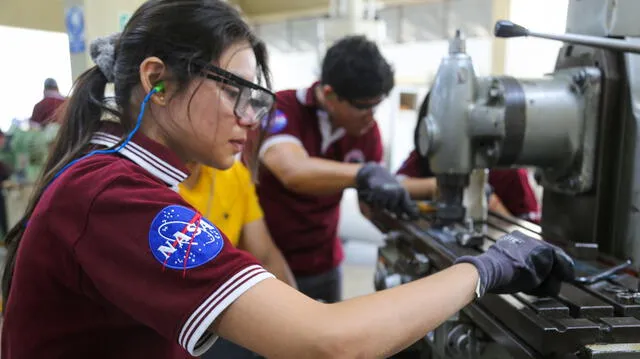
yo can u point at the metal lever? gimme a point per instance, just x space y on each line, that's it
505 28
604 274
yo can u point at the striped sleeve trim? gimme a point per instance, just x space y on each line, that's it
194 336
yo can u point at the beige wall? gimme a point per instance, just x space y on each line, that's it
102 18
34 14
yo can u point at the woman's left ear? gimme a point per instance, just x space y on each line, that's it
152 73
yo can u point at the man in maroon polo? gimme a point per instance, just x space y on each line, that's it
324 139
45 110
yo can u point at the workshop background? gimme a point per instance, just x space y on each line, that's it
50 38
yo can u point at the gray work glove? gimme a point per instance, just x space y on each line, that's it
380 189
519 263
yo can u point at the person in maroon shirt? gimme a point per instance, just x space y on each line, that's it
511 190
110 262
45 110
323 140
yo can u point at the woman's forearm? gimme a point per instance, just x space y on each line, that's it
418 308
278 322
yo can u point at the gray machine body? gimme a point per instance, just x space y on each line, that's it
578 126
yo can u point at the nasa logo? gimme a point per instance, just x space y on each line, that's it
278 123
511 238
354 156
180 238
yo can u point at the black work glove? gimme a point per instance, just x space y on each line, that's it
519 263
380 189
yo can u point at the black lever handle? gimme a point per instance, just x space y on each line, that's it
506 28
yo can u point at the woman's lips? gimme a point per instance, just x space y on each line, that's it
238 145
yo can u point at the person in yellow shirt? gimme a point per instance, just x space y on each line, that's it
228 199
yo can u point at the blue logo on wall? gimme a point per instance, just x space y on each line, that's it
74 20
278 123
180 239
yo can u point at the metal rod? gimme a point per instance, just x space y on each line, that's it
604 274
506 29
604 42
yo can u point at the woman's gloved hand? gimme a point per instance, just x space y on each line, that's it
380 189
519 263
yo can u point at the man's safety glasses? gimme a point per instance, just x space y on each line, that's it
253 103
364 106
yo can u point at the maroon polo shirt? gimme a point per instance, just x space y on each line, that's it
45 110
114 264
510 185
305 227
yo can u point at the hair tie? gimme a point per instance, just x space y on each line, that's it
103 54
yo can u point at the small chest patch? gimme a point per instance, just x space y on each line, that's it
278 123
354 156
181 238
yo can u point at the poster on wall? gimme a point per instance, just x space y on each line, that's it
123 19
74 21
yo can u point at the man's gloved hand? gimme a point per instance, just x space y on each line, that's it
379 188
519 263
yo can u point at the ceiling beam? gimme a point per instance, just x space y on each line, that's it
263 11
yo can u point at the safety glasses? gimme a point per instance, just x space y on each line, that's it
363 106
253 103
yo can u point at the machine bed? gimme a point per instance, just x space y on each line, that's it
566 326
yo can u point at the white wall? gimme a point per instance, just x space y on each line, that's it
29 57
531 57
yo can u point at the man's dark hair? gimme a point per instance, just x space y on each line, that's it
50 84
355 69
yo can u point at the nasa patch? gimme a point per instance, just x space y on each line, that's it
354 156
181 238
278 123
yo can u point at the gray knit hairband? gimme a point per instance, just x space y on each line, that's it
102 52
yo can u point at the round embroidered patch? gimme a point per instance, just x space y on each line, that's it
278 123
181 238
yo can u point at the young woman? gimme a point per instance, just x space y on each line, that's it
110 261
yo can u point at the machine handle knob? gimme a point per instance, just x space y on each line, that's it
506 28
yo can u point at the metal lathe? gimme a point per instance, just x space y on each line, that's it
579 127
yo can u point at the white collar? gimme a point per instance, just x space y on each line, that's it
143 158
324 124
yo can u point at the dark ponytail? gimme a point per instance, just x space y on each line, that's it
177 32
80 119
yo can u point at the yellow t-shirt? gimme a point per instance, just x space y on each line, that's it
233 202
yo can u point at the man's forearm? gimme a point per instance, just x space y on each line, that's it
420 188
318 176
496 205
